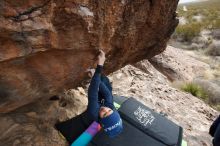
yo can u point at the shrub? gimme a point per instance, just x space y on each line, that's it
211 20
195 90
216 24
188 31
213 49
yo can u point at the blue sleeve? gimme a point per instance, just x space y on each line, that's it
216 140
93 106
107 83
106 95
214 126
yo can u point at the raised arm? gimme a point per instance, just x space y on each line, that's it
106 95
93 106
106 81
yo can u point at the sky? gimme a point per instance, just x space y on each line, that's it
186 1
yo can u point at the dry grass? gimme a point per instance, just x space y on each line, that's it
196 91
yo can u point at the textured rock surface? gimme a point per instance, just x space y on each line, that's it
177 65
191 113
33 124
45 46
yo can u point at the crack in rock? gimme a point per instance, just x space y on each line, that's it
25 15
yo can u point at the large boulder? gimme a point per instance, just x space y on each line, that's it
45 46
33 124
145 84
177 65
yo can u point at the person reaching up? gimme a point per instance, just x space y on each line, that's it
100 102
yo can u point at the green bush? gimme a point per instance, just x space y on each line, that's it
195 90
210 10
188 31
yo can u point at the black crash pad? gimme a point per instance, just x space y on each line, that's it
142 127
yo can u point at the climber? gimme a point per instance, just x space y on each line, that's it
214 131
100 108
100 101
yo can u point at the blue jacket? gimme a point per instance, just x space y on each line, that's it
214 131
99 91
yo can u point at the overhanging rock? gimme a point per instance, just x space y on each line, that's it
47 45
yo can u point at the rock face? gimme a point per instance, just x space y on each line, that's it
177 65
45 46
33 124
145 85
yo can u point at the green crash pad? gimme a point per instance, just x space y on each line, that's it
184 143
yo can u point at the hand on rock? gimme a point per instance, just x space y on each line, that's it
90 72
101 58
